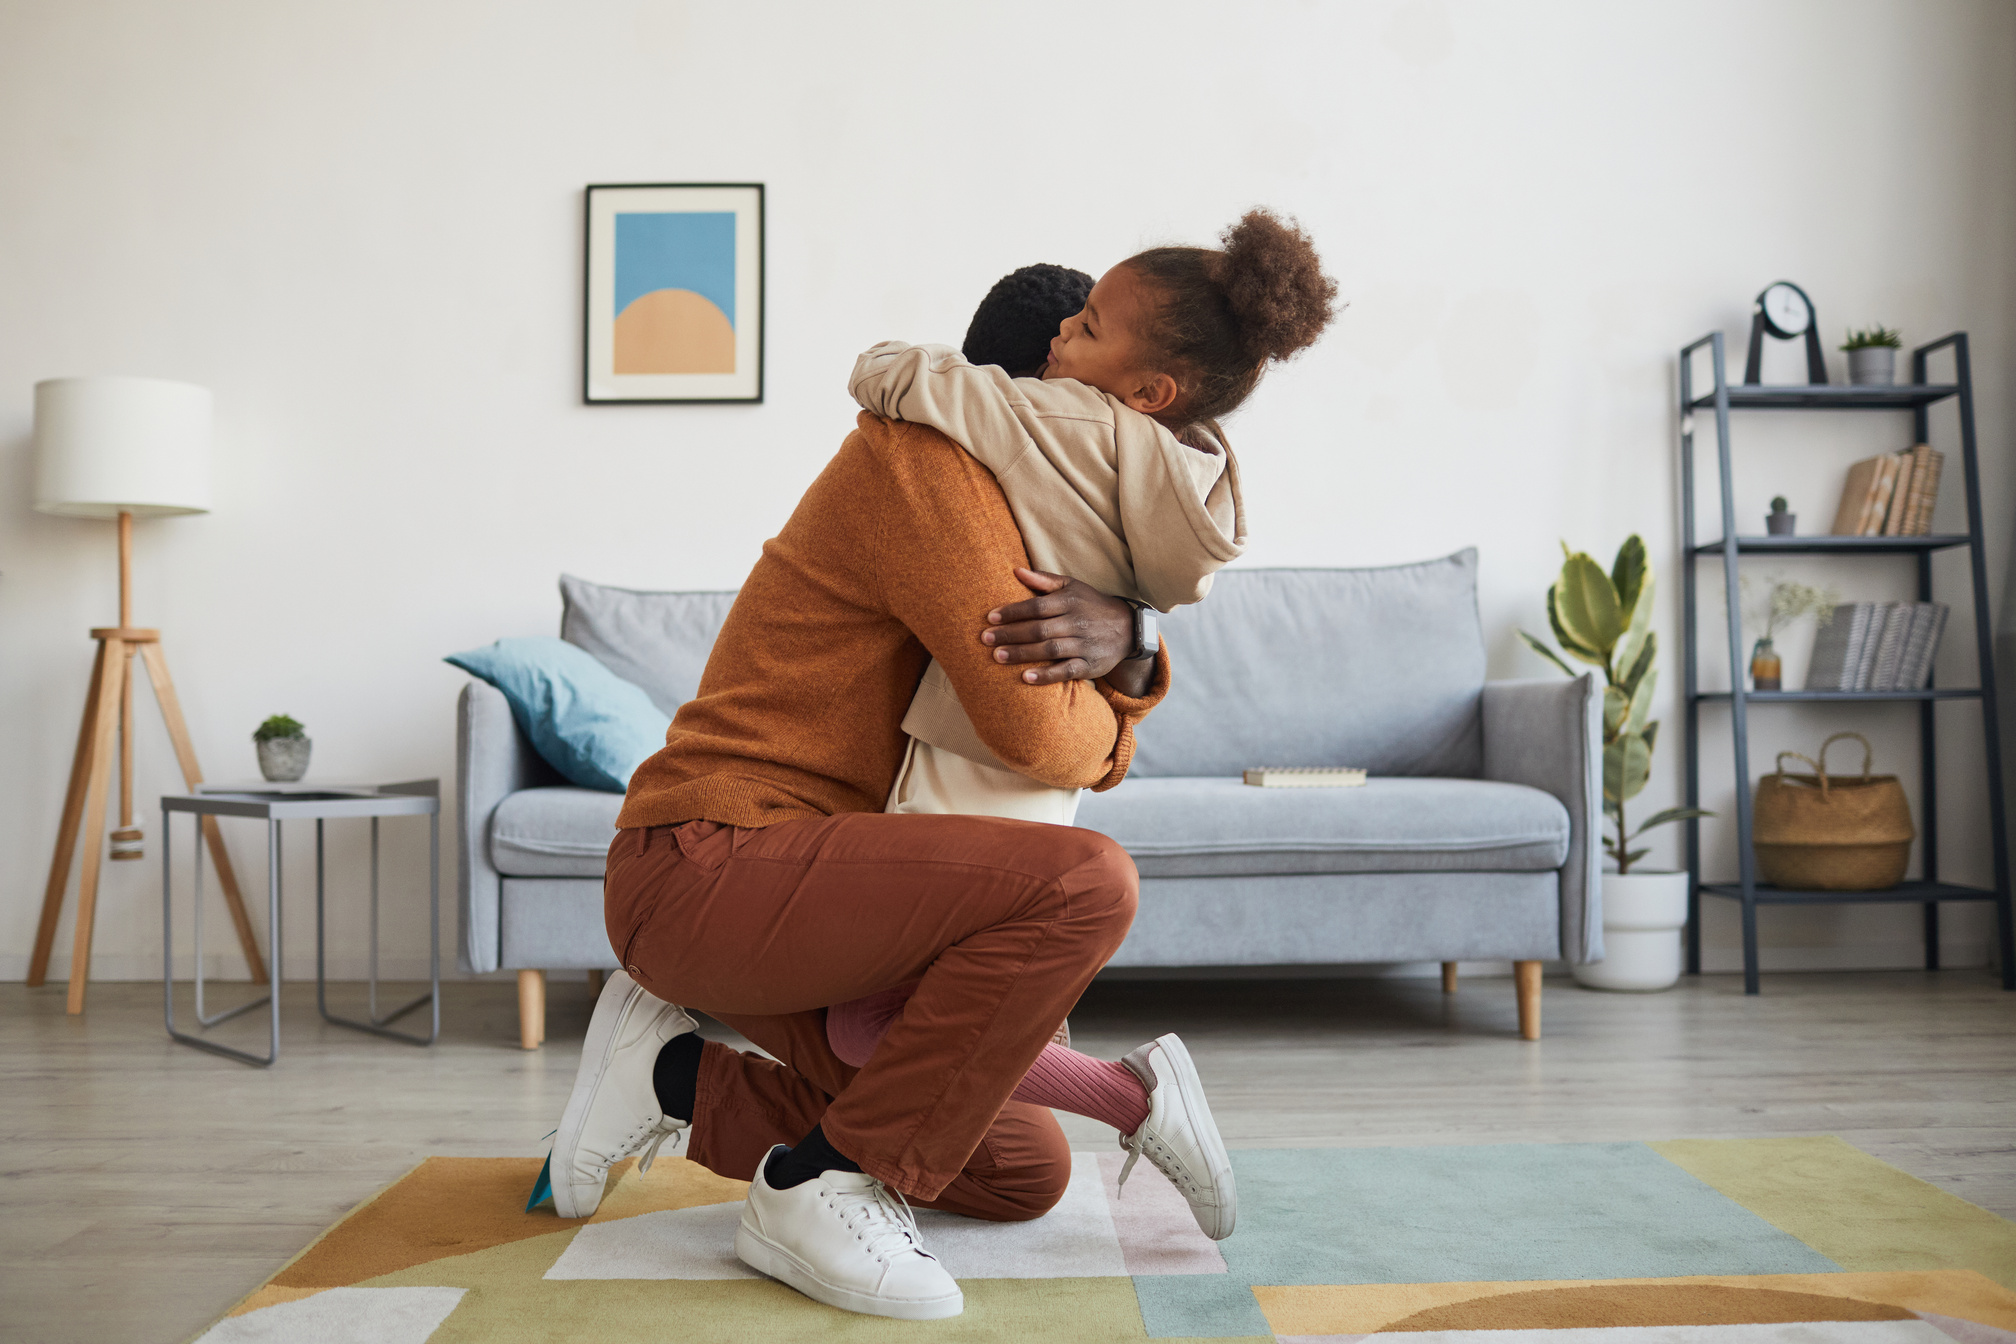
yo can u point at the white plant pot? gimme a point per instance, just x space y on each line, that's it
1643 914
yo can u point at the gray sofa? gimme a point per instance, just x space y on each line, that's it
1475 838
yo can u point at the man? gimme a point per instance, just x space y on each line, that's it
756 878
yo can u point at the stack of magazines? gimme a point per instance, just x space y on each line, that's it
1877 646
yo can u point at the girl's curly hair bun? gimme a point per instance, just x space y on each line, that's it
1224 316
1275 284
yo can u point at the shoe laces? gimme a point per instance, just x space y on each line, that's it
1159 1153
881 1218
652 1135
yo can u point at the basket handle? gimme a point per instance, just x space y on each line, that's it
1868 752
1819 770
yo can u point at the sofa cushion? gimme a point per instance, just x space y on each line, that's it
585 721
1214 827
553 832
1378 668
660 641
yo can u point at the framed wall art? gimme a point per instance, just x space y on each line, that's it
674 305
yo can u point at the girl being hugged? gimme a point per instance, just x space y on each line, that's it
1117 473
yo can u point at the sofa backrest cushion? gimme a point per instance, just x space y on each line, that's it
660 641
1379 668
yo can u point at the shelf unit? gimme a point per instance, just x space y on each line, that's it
1916 397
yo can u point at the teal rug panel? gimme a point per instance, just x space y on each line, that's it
1498 1213
1209 1306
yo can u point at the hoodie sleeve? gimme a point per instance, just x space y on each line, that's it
974 406
944 554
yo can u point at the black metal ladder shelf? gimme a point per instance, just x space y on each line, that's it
1917 397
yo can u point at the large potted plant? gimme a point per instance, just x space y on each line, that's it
1605 621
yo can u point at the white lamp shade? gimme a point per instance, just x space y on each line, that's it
104 446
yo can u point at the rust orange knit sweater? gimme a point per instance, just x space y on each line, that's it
894 556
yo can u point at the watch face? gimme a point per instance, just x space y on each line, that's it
1786 309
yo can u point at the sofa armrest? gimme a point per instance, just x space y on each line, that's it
493 760
1549 734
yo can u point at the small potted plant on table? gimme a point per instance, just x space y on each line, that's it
1605 620
1781 521
283 748
1872 356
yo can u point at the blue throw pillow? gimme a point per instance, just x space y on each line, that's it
590 724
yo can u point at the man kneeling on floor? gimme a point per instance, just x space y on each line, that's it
755 877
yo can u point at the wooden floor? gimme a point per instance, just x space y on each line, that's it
147 1186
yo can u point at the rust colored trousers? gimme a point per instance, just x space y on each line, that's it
1001 923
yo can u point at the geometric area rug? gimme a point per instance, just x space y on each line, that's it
1741 1241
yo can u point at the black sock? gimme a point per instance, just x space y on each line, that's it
676 1074
795 1166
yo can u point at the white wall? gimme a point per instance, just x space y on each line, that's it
359 224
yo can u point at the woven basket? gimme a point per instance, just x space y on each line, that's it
1827 833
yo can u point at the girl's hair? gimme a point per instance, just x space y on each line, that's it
1226 314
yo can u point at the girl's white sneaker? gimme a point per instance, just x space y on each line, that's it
1180 1137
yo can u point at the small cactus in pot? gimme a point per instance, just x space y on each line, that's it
283 747
1781 521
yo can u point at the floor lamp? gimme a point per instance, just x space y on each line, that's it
114 448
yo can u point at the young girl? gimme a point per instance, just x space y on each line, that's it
1116 473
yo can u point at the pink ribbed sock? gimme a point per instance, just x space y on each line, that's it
1099 1089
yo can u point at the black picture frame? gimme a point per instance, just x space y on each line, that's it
653 332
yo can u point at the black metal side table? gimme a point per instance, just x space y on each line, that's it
274 804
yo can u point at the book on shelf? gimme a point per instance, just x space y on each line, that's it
1926 630
1830 650
1924 490
1890 495
1863 678
1877 646
1889 646
1900 496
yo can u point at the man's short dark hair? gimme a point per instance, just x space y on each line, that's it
1013 325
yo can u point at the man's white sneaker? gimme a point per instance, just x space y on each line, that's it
845 1239
614 1109
1180 1137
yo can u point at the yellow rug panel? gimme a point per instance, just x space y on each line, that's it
1362 1309
1859 1212
508 1302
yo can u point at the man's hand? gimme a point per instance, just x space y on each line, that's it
1070 631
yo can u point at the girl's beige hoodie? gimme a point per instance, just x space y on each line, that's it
1101 493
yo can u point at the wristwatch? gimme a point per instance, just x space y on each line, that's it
1147 637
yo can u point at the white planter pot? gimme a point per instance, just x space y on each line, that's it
1643 914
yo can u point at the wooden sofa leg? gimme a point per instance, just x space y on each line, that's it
594 984
531 1009
1448 977
1526 974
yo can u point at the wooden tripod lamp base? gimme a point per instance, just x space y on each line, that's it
108 711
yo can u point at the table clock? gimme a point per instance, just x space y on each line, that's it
1784 310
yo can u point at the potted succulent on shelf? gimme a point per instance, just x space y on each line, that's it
283 749
1605 620
1780 522
1872 356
